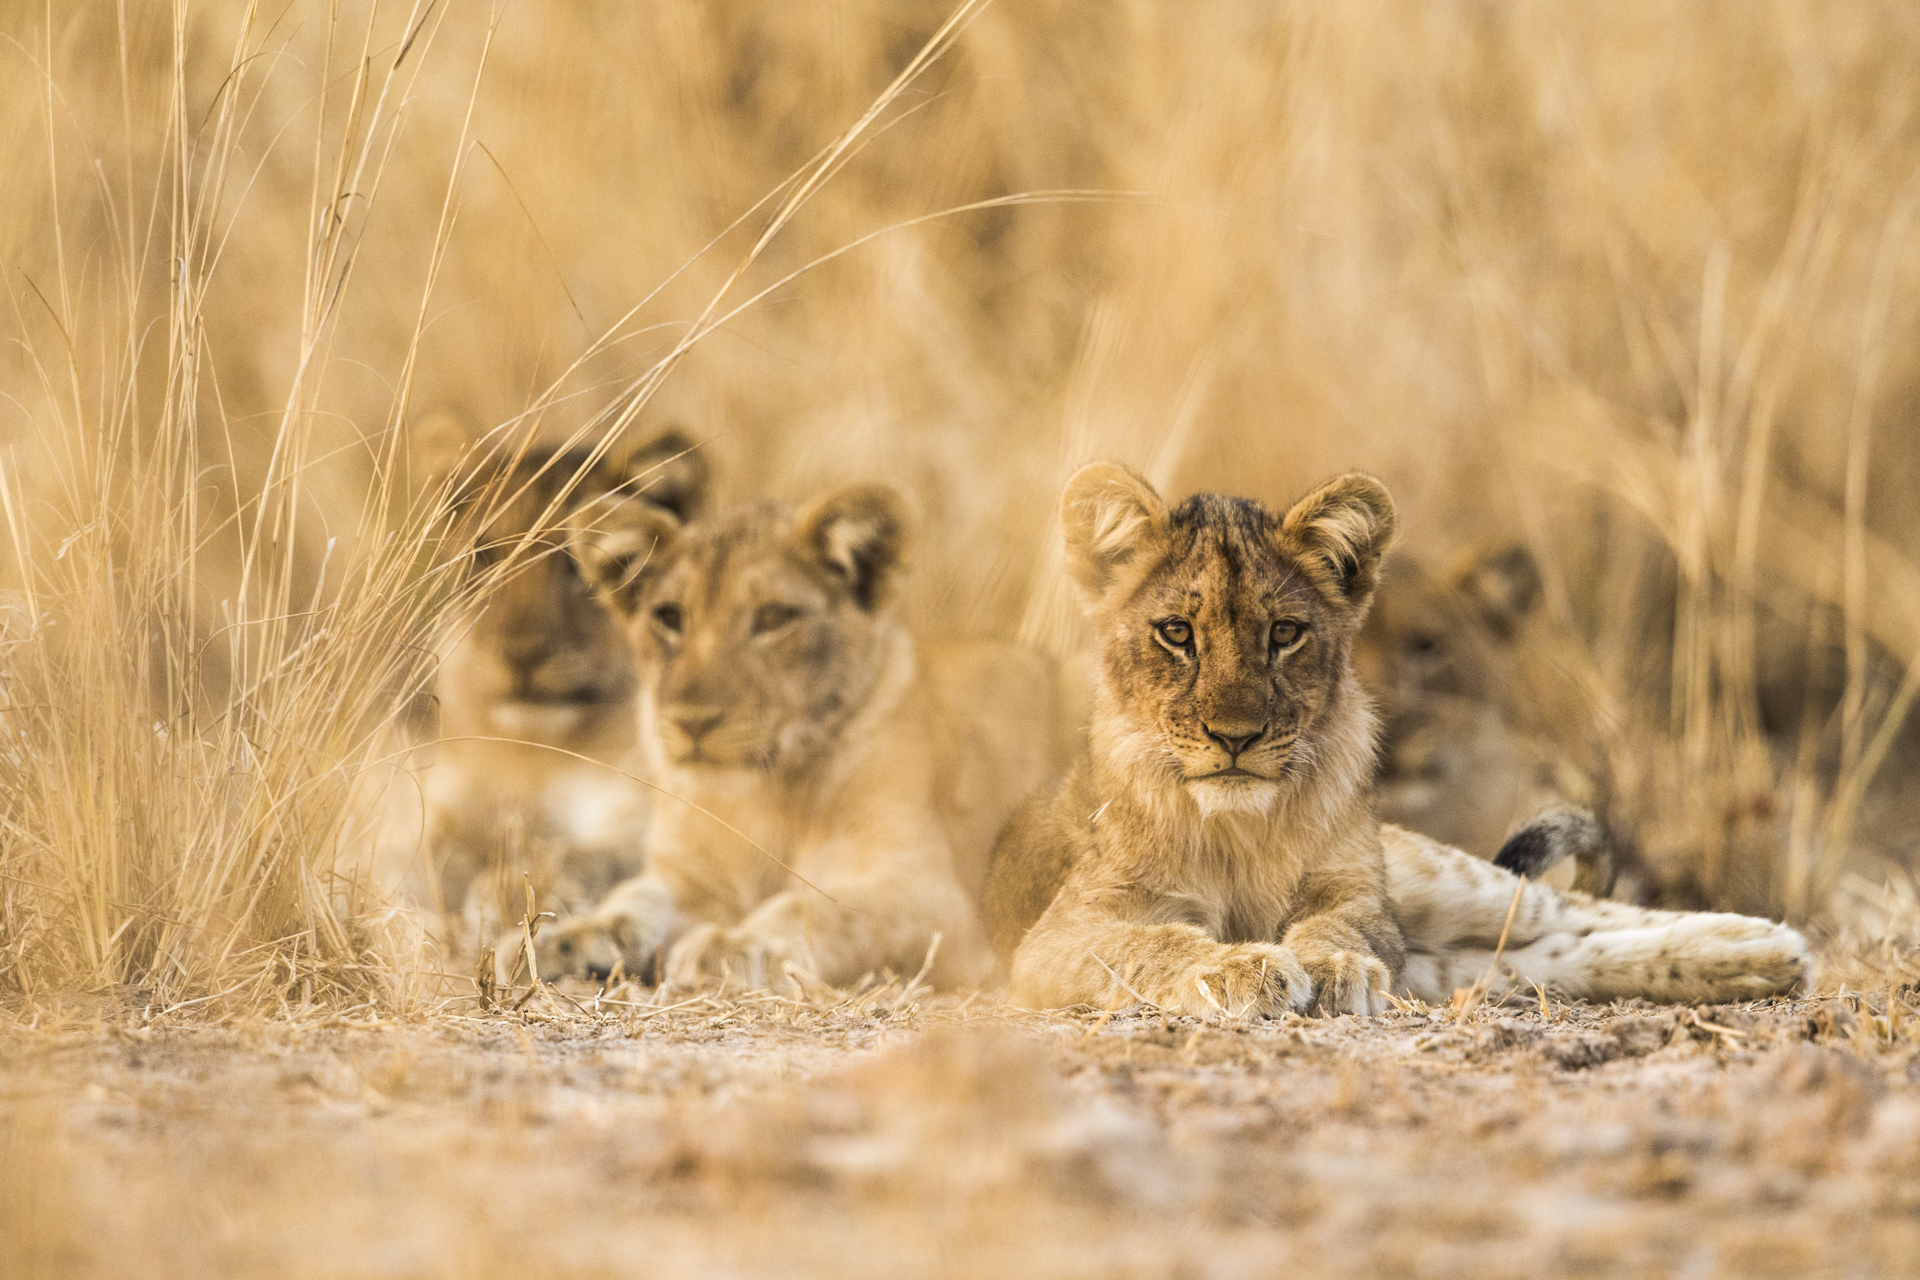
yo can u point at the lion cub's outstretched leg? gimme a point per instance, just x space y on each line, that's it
839 928
1452 906
673 927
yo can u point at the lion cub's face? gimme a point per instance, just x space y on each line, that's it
759 632
1448 633
1226 629
543 660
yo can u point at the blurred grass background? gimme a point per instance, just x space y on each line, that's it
1632 286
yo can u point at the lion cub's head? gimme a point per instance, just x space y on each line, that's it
542 660
759 632
1226 629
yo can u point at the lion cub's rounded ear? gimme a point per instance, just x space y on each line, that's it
1112 519
1338 533
618 541
860 533
437 444
1500 584
671 472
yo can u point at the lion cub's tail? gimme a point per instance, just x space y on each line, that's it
1556 834
1453 908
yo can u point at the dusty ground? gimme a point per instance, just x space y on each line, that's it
775 1138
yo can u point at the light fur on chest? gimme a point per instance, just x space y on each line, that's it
1235 874
807 822
1236 870
729 830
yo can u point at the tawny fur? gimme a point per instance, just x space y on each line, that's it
1216 852
1452 907
780 696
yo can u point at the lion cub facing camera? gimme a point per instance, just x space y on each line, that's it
1217 850
832 787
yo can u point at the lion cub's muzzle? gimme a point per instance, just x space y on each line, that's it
1236 749
547 699
707 734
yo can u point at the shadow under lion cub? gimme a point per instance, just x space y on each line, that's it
1214 851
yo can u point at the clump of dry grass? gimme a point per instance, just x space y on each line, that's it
198 668
1873 941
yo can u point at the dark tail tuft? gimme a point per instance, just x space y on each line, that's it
1555 834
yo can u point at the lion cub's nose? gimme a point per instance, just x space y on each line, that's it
524 656
1235 740
695 721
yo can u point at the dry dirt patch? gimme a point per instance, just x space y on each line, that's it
774 1138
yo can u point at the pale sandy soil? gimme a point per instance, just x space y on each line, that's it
775 1139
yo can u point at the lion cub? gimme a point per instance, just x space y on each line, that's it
832 788
535 688
1217 853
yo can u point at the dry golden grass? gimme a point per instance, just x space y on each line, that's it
1634 285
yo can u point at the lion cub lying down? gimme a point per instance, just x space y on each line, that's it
1217 851
836 787
535 686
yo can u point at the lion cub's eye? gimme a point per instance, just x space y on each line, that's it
772 617
668 616
1287 634
1176 632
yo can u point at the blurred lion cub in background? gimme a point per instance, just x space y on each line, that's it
836 786
1218 851
537 664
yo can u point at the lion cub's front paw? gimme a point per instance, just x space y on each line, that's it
591 947
708 954
1246 981
1349 982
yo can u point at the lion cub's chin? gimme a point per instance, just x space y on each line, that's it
717 778
1233 795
